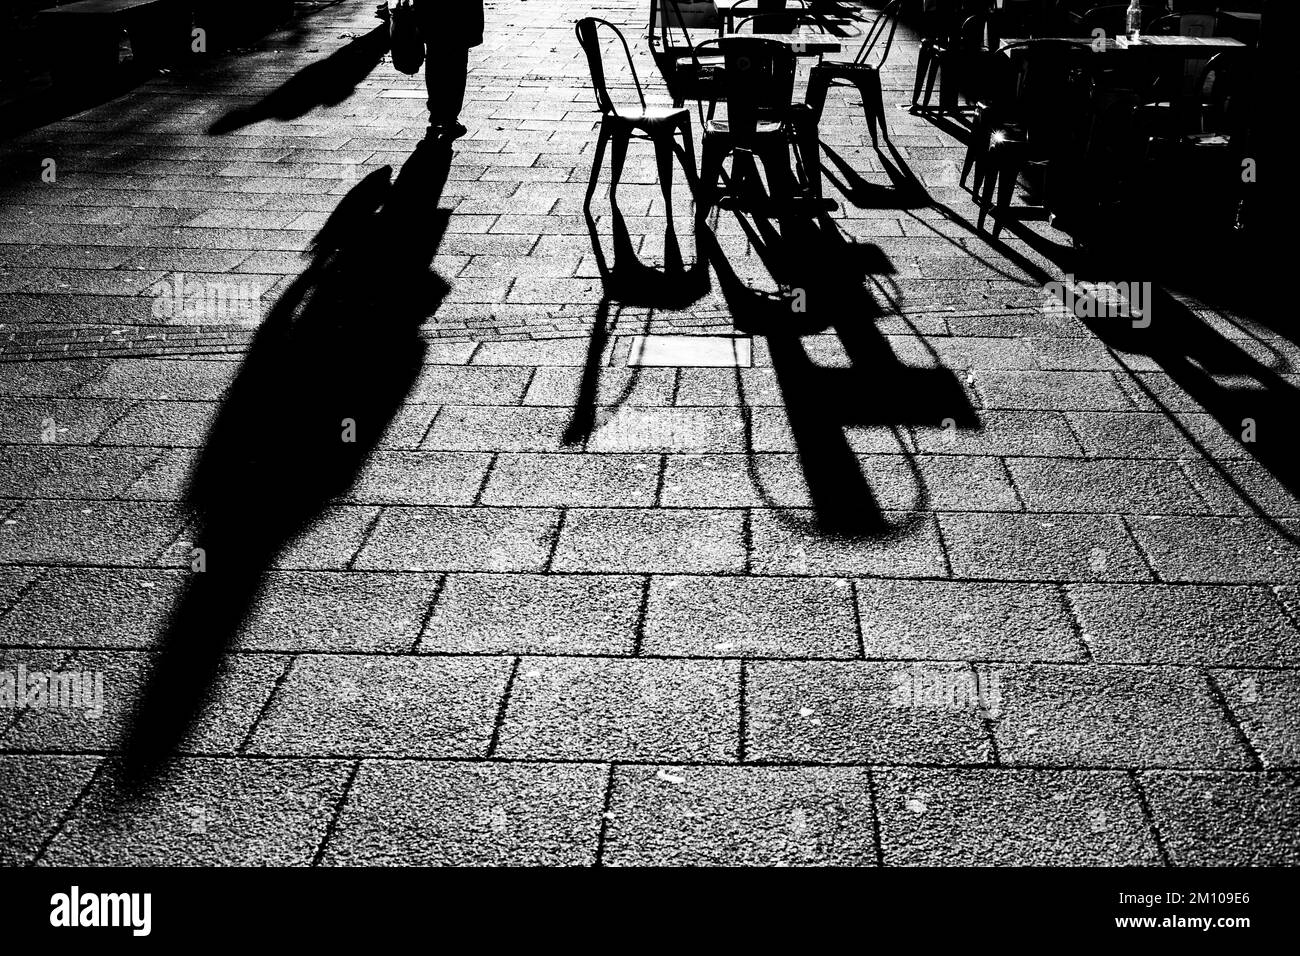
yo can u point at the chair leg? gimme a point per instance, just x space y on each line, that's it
601 140
1007 177
710 173
873 104
617 158
664 161
978 134
818 85
986 200
688 155
922 65
930 78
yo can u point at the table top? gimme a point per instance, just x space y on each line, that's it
1191 45
805 42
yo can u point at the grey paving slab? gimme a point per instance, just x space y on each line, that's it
573 480
612 709
1185 624
159 379
1000 432
420 478
1041 547
857 712
961 620
506 429
163 423
740 816
770 431
329 542
958 817
449 385
426 813
13 581
1267 704
345 705
631 428
789 542
207 812
47 379
1226 819
535 614
49 471
79 532
1065 391
1217 550
98 723
1105 487
338 612
37 791
460 539
1113 716
75 421
93 608
1131 435
659 541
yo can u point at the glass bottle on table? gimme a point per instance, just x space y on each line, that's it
1133 20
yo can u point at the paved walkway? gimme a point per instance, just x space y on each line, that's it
953 578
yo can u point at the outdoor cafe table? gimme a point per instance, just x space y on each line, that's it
804 42
1169 46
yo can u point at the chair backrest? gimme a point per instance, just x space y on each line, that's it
758 78
588 31
884 26
1043 72
1111 17
770 16
1185 25
673 18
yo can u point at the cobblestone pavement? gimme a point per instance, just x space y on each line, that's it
956 579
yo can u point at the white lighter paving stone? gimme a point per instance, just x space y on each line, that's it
691 351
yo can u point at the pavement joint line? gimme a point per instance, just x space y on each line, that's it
1152 824
73 806
1290 773
500 721
742 711
642 612
548 565
337 814
605 814
858 634
267 704
428 613
1233 721
1066 596
988 724
873 792
366 535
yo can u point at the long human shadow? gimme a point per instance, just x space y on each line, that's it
821 276
326 82
324 376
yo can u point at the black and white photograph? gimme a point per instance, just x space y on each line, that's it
642 434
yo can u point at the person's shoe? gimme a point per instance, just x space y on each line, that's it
454 131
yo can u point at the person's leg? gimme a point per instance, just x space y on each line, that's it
445 69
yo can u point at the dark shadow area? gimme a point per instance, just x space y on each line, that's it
326 82
821 278
1232 385
628 281
329 368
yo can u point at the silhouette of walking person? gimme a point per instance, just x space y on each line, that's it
450 29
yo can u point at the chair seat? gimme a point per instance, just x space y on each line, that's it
651 115
844 68
722 127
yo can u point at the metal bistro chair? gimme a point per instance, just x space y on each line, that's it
860 73
762 122
769 16
658 124
953 61
687 75
1035 122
